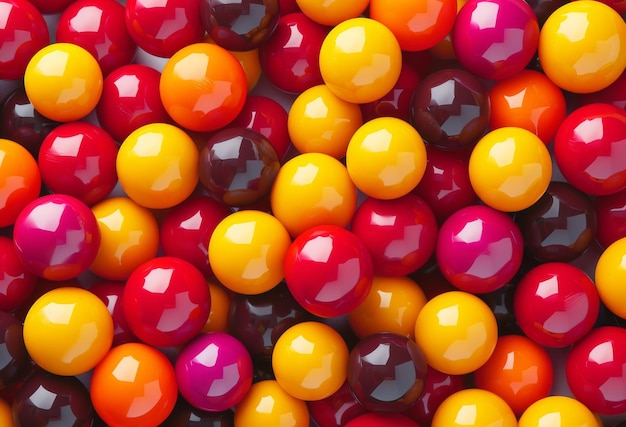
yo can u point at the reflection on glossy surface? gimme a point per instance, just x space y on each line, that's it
110 293
337 409
267 404
16 283
562 410
13 356
185 415
474 407
500 302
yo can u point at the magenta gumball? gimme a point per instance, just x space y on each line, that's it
479 249
495 39
400 234
214 372
16 283
110 293
337 409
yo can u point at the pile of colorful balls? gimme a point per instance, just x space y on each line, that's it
288 213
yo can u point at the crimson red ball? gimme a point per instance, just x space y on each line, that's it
337 409
16 283
611 216
110 293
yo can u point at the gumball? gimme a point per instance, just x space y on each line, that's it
313 189
186 230
20 180
586 58
495 39
500 302
321 122
185 415
474 407
337 409
267 404
437 387
130 99
14 359
161 28
238 166
328 270
558 411
609 276
134 385
457 332
510 169
166 302
56 237
63 81
417 26
360 60
44 400
16 283
615 94
310 361
246 252
157 166
450 109
6 414
374 419
68 331
78 159
587 149
251 65
556 304
211 96
544 8
332 12
221 301
288 6
240 25
51 6
110 293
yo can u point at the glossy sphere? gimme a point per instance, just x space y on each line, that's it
290 58
397 102
240 25
373 419
457 332
267 404
16 283
479 249
560 226
185 415
203 87
614 94
332 12
134 385
246 251
321 122
609 275
47 400
187 228
310 361
100 27
610 212
337 409
51 6
13 356
582 46
129 237
451 109
437 388
313 189
157 165
238 166
360 60
400 234
6 414
110 293
56 237
63 81
130 99
67 331
587 149
78 159
417 26
161 28
510 169
495 39
559 411
166 302
23 32
519 371
474 408
556 304
20 180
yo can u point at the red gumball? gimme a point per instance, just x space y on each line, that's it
51 6
614 94
16 283
437 387
374 419
110 293
611 217
337 409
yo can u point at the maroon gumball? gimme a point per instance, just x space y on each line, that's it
166 302
614 94
400 234
51 6
556 304
14 359
611 216
185 415
78 159
421 61
288 6
328 270
16 283
337 409
375 419
500 302
110 293
544 8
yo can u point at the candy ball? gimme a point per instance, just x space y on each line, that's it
16 283
110 293
6 413
332 12
337 409
14 359
68 331
220 307
609 277
474 407
267 404
562 410
185 415
360 60
51 6
373 419
437 388
610 213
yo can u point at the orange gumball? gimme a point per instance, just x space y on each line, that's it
220 306
6 414
20 180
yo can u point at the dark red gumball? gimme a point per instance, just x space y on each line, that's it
267 117
99 26
130 99
451 109
16 283
162 27
288 6
400 234
420 60
23 32
185 415
611 216
290 58
328 270
110 293
337 409
374 419
544 8
396 103
78 159
238 166
500 302
614 94
14 359
51 6
446 185
432 281
187 228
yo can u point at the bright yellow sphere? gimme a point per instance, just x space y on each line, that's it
267 404
474 408
557 411
332 12
610 277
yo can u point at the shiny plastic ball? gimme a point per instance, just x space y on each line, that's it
437 388
51 6
610 213
185 415
337 409
267 404
333 12
14 359
221 299
474 407
110 293
63 81
20 180
374 419
559 411
68 331
16 283
609 274
6 413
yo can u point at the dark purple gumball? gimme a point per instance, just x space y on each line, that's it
111 295
386 372
14 358
185 415
337 409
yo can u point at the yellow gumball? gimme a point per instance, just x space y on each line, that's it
610 277
474 408
332 12
267 404
557 411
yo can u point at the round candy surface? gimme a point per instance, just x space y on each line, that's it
110 293
609 277
337 409
437 388
332 12
473 408
16 283
610 213
373 419
14 359
267 404
559 411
